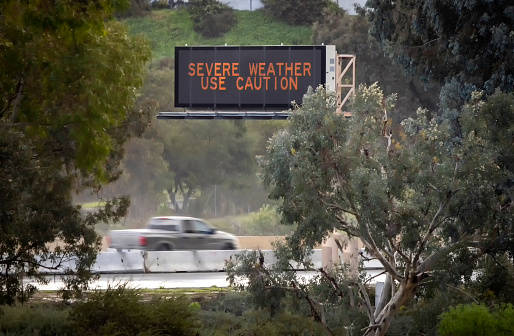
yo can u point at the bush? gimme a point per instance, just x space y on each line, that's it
122 311
31 320
297 12
266 222
477 320
211 18
257 322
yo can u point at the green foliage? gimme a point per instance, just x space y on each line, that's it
350 36
76 90
477 320
439 41
421 317
67 88
266 222
201 155
241 192
159 83
211 18
120 310
494 280
36 210
137 8
332 173
297 12
165 29
256 322
325 301
30 320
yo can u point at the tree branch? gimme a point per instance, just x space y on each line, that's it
370 244
376 276
19 93
346 226
463 293
433 225
9 100
334 206
397 250
367 303
332 281
435 257
316 307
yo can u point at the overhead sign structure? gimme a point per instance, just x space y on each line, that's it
257 77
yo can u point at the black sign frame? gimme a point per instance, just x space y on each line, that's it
240 77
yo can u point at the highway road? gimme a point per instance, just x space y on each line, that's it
166 280
152 280
147 280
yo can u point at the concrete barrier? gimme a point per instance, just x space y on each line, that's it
194 261
186 261
119 262
137 261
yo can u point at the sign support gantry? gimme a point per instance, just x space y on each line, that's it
345 82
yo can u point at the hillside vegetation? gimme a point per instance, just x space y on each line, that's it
166 29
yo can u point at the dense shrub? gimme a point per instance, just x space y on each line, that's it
211 18
266 222
257 322
477 320
297 12
137 8
122 311
30 320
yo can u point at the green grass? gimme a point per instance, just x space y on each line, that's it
166 29
92 205
230 223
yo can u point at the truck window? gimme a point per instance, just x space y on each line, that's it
167 227
170 227
201 227
188 226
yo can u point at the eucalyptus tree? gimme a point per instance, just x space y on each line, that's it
415 199
68 85
349 33
467 45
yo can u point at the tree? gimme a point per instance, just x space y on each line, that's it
468 42
211 18
349 33
413 202
68 86
145 174
298 12
201 155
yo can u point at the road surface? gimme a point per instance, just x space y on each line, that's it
166 280
152 280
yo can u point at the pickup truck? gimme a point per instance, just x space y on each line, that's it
169 233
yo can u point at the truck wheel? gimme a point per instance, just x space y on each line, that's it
228 246
164 247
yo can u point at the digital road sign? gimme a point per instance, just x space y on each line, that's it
257 77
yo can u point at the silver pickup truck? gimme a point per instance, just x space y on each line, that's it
168 233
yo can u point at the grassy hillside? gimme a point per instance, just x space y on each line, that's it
166 29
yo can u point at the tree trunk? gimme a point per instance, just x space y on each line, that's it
173 200
387 292
383 321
